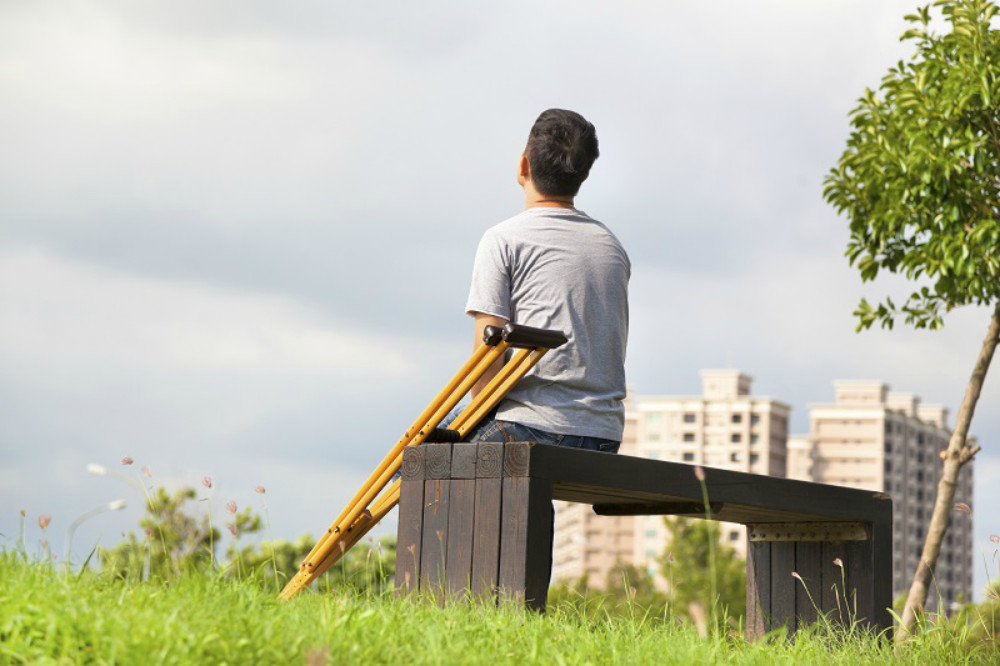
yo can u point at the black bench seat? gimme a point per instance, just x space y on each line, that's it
478 517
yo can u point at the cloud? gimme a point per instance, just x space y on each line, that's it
120 359
231 231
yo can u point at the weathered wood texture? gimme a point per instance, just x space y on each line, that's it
477 518
789 583
409 533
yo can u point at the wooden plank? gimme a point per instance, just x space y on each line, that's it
859 565
486 522
538 560
658 509
783 585
461 523
438 461
790 500
516 459
411 514
463 461
882 568
834 580
758 589
815 531
808 590
434 545
525 541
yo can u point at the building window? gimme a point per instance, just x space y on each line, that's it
754 419
688 417
689 437
653 418
888 466
653 436
734 535
688 457
650 533
734 457
754 438
737 418
736 438
754 458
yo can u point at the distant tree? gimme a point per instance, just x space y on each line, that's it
628 591
178 539
687 566
920 184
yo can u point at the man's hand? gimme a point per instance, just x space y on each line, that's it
482 321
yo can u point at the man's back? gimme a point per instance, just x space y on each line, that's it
558 268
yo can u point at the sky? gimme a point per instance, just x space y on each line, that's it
236 237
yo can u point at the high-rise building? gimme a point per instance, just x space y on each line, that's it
868 438
872 439
724 427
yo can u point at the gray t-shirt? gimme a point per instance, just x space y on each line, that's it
558 268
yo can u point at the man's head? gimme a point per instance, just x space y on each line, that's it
561 148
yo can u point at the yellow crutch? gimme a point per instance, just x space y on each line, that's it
356 520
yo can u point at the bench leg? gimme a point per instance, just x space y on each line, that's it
526 541
846 580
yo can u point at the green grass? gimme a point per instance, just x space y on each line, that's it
49 616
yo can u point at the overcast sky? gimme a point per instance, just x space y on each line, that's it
236 236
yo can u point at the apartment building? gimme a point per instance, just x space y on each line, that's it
726 426
874 439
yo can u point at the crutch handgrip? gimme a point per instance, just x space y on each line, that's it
443 436
492 335
528 337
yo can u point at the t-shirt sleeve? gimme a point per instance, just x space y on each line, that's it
490 290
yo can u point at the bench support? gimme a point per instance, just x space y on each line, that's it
839 575
476 519
472 519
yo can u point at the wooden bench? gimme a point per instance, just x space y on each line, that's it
478 516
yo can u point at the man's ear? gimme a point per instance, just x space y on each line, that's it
523 170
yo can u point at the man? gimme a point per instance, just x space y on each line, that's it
552 266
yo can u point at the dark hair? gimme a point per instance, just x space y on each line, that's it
561 148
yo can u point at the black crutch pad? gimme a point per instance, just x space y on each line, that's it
528 337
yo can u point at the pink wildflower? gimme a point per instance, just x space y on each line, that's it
231 506
127 460
839 562
963 507
699 472
207 482
260 490
44 520
146 472
994 538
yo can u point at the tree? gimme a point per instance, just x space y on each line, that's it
920 184
688 568
178 540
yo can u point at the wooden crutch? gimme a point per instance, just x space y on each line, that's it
533 343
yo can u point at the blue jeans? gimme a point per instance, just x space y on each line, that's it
491 429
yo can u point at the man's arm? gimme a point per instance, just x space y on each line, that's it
482 321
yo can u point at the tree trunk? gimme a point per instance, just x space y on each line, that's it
956 455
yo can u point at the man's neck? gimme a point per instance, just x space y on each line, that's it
533 199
